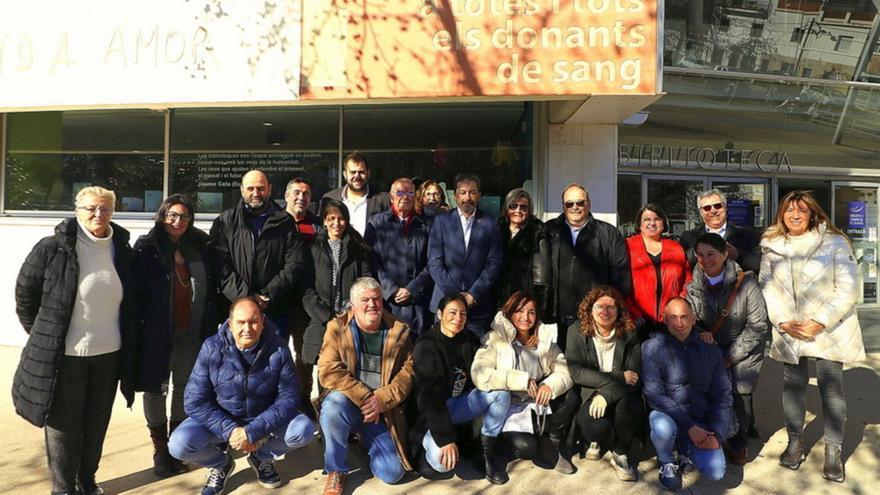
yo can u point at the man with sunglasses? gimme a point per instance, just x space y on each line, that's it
585 252
742 242
399 239
362 203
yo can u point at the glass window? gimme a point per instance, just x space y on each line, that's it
629 200
212 149
492 140
679 198
745 202
52 155
855 213
843 44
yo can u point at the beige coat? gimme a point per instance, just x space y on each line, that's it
494 366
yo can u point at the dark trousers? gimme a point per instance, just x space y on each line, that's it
622 423
829 376
742 407
78 419
299 320
526 445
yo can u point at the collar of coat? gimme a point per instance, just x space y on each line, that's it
505 328
731 269
781 245
67 230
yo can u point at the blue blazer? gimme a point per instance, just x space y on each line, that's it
474 270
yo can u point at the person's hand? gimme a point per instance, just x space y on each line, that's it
532 388
597 406
542 397
732 252
698 435
469 299
811 328
794 329
711 442
238 440
401 296
707 338
371 408
630 377
449 456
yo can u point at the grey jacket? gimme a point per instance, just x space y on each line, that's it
742 336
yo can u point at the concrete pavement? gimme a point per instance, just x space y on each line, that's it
127 462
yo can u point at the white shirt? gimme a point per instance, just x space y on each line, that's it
467 223
357 210
575 231
722 231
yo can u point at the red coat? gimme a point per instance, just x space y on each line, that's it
674 271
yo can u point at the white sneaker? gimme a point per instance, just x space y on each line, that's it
594 452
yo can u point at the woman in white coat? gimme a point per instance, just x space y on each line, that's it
519 354
809 279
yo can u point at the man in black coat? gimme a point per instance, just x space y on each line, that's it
585 252
743 243
258 252
362 202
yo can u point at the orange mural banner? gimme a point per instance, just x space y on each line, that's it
365 49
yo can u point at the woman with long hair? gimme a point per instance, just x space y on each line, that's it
810 281
605 360
430 200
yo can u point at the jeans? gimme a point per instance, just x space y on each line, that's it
829 376
184 352
78 418
339 419
193 442
664 435
464 408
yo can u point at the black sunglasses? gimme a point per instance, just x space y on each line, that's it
572 204
514 207
708 208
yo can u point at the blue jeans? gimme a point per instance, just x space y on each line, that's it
464 408
192 442
664 433
339 419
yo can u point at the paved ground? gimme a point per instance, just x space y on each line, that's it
127 455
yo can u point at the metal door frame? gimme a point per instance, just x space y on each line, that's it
833 214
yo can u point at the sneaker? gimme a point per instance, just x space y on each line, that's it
217 477
670 477
335 484
594 452
267 476
621 466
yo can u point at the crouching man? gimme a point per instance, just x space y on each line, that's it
243 393
366 367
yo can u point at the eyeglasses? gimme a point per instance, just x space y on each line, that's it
579 203
708 208
602 307
401 194
95 209
514 207
174 216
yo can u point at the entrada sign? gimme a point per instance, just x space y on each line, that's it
692 157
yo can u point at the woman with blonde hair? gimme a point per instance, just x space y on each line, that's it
809 279
430 200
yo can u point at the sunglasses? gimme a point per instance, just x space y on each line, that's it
579 203
514 207
716 206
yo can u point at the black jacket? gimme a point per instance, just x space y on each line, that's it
583 365
153 295
746 240
526 262
45 292
271 264
599 257
377 201
318 298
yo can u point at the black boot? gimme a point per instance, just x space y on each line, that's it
563 465
794 453
833 469
495 472
163 463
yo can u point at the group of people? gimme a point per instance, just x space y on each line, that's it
420 318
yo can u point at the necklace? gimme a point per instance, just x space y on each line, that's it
179 279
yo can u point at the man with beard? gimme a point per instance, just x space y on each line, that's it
258 252
362 203
465 255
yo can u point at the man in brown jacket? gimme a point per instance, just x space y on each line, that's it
367 369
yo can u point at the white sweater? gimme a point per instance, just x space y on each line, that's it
94 323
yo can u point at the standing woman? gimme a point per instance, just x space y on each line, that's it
72 297
340 256
430 200
659 268
810 282
605 360
526 250
730 309
519 354
175 313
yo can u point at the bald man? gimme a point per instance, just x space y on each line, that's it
259 253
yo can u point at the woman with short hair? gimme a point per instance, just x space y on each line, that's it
72 297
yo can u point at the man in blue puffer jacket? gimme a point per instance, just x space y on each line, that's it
242 392
687 386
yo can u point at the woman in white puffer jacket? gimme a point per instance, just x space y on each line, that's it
809 279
